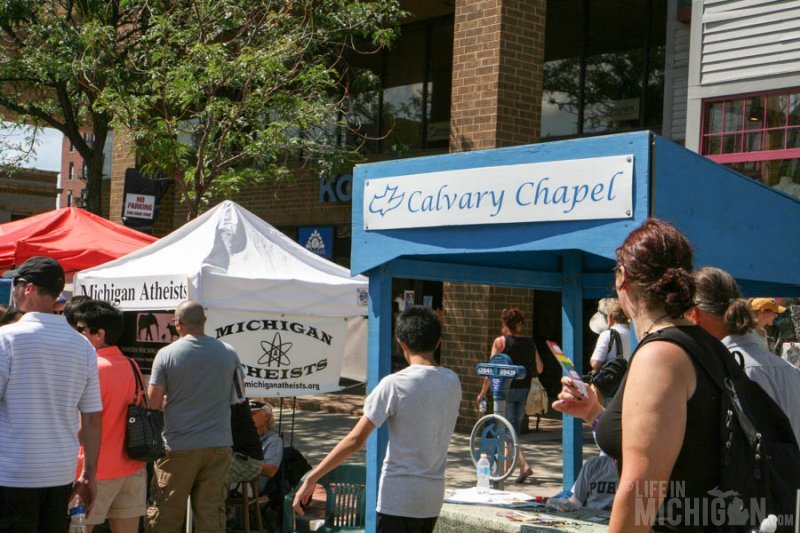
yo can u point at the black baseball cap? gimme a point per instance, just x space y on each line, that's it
44 272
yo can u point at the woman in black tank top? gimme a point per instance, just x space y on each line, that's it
662 425
523 352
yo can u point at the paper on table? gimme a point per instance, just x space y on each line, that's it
492 497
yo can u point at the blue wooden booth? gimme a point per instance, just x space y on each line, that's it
549 216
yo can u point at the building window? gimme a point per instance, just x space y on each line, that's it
757 135
71 172
84 171
401 97
69 198
603 72
71 147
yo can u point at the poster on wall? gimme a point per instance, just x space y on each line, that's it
283 355
144 334
317 239
408 300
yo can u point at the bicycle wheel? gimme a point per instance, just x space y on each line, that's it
495 436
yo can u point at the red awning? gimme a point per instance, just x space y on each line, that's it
76 238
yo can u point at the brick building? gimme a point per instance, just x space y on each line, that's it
25 192
479 74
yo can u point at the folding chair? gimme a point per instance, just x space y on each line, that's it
345 504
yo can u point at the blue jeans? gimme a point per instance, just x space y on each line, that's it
515 407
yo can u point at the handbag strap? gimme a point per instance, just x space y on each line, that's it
616 340
722 375
238 385
139 383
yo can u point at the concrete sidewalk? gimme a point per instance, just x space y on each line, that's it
320 421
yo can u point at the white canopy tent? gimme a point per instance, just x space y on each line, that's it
296 319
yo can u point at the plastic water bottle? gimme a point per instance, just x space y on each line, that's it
483 474
77 516
483 405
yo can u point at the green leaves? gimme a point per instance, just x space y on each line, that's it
237 92
217 94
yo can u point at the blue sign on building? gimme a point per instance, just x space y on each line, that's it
317 239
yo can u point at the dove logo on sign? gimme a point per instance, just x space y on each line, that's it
386 201
578 189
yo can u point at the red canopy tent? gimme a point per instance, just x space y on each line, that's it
76 238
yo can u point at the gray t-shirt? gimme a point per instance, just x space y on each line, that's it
596 485
193 371
777 377
420 405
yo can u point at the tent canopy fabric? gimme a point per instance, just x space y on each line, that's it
75 237
295 318
228 258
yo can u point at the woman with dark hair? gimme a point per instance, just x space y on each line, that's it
523 352
720 310
662 426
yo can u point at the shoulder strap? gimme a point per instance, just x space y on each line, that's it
237 384
691 347
616 340
724 382
139 383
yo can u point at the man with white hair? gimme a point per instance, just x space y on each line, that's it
271 445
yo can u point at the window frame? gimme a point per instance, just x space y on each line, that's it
755 155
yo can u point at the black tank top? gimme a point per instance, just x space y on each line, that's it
697 467
522 351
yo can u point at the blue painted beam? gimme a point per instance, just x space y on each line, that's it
600 237
572 338
504 277
379 356
733 222
597 286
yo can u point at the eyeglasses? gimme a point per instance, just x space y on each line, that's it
81 329
20 281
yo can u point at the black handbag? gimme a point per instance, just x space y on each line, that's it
143 440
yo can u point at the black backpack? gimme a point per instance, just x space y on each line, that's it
291 470
609 376
760 457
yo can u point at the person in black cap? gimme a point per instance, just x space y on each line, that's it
48 374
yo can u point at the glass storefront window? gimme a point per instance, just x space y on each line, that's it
603 73
756 135
560 108
770 172
437 132
794 109
733 118
405 106
714 118
403 94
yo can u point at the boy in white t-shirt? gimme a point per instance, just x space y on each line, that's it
411 487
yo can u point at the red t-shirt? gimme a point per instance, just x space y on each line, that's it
117 388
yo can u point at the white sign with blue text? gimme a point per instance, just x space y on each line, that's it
578 189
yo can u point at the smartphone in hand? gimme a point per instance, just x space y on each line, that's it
567 365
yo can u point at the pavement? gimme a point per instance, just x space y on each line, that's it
320 421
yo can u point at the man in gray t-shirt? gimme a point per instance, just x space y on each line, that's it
188 381
411 486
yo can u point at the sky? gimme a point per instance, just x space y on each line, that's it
48 151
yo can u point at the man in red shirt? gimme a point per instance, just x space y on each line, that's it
121 481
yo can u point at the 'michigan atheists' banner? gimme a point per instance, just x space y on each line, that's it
283 355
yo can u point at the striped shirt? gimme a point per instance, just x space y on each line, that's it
48 372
